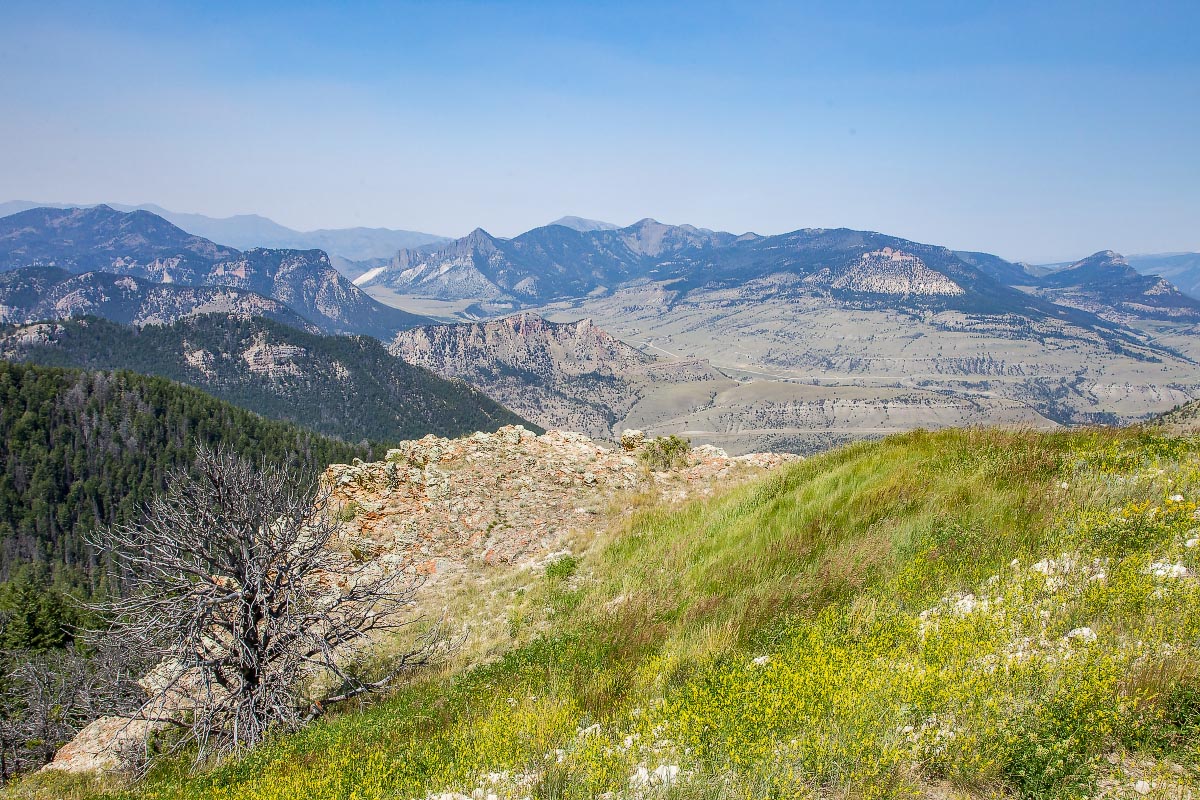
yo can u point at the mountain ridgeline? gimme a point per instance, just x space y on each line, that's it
32 294
247 231
1105 283
144 246
557 261
345 386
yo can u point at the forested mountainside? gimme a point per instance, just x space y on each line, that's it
81 449
349 387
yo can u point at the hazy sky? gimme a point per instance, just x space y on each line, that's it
1038 131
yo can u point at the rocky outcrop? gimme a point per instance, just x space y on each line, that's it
445 508
887 272
506 497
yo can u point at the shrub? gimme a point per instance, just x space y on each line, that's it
562 568
666 453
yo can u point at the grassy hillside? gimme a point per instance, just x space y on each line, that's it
966 613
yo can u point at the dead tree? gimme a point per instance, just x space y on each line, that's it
236 589
50 695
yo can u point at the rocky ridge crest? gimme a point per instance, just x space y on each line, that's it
447 508
503 498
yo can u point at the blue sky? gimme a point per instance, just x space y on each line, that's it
1039 131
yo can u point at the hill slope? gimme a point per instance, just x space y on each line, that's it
348 387
968 613
142 245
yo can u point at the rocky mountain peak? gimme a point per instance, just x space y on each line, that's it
1105 265
479 237
1102 258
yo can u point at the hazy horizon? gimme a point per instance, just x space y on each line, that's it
1039 132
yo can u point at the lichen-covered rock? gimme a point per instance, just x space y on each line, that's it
501 497
103 746
632 439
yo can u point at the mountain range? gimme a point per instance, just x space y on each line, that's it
343 386
144 246
883 332
795 341
247 231
557 262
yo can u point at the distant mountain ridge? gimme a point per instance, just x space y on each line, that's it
544 263
346 386
247 231
553 260
1182 269
142 245
1105 283
35 294
1105 280
582 224
859 268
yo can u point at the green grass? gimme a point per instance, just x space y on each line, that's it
971 612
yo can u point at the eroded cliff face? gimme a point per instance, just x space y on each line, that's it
572 376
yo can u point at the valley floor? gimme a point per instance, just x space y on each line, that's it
968 613
758 368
